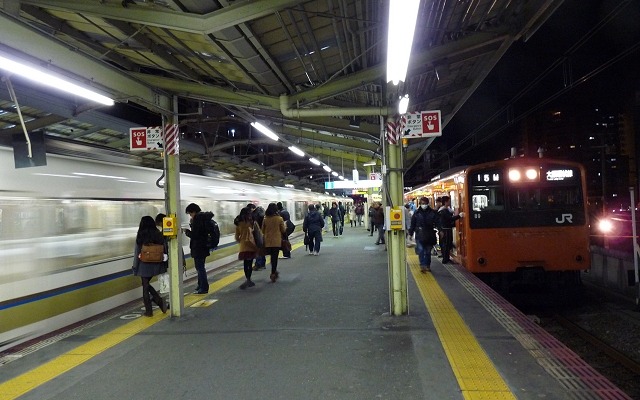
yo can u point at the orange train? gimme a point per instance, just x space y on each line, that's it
525 218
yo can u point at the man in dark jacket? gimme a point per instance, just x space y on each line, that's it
198 243
378 221
287 222
423 225
447 222
312 227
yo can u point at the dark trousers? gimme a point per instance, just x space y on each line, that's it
446 243
314 241
273 252
203 282
149 293
336 226
248 269
380 233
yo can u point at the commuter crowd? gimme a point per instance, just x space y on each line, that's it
261 233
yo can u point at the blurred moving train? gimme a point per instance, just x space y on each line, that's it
525 219
67 232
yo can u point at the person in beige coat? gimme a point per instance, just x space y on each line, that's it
248 249
273 229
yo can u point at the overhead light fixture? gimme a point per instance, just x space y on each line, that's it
402 24
315 161
48 79
334 173
403 104
370 163
265 131
326 168
296 150
341 177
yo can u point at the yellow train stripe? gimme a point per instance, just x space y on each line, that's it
477 376
28 381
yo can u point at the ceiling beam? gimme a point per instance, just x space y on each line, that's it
17 38
215 21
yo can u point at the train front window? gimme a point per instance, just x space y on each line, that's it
502 199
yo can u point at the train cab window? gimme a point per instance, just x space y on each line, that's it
487 199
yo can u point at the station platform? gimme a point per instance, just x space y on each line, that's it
322 331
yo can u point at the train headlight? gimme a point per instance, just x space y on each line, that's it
605 226
514 175
531 174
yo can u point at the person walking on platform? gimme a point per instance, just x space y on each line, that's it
198 243
352 216
273 229
372 224
248 248
261 259
342 215
286 253
148 234
334 213
312 228
378 221
359 213
423 225
447 221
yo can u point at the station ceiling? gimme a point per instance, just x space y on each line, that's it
313 71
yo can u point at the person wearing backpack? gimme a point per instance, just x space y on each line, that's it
423 225
145 268
290 227
199 247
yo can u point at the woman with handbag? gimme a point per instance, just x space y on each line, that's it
245 230
148 261
273 229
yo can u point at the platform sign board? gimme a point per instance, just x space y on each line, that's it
422 124
347 184
375 176
145 138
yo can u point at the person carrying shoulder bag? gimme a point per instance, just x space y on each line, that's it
149 260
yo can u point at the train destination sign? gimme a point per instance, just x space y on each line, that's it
559 174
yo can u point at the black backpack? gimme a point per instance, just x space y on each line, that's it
213 234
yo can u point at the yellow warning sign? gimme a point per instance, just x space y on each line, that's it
395 218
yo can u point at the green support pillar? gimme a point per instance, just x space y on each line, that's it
398 284
172 194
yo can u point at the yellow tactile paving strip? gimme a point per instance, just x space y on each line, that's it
477 376
28 381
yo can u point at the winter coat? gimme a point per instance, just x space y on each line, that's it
335 214
144 269
198 234
313 222
273 228
447 219
378 216
423 224
244 236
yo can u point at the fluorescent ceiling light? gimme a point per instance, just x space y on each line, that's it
296 150
315 161
334 173
402 23
341 177
48 79
326 168
403 105
370 163
265 131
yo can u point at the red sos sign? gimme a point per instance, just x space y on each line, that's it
430 121
138 138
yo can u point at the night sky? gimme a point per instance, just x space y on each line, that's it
584 57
